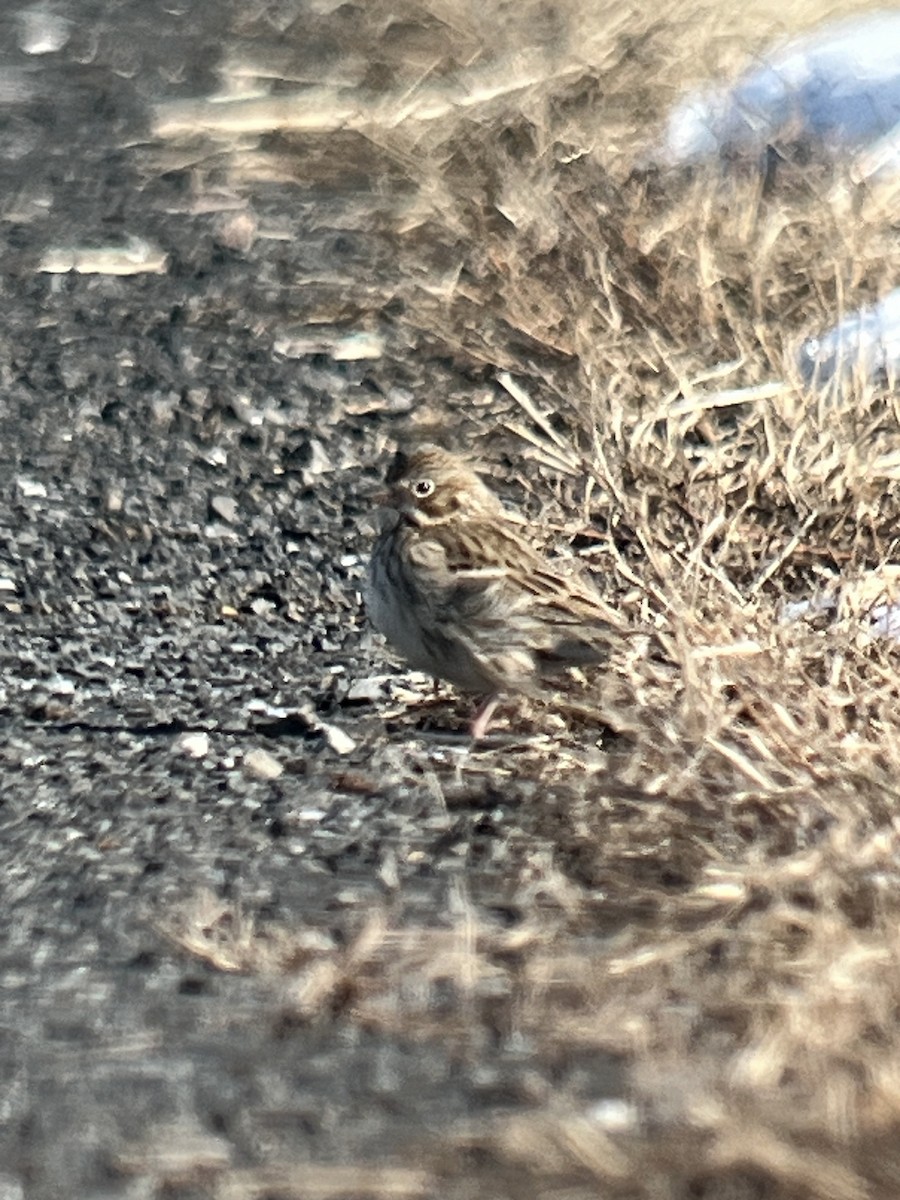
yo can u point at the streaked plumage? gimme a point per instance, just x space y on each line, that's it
460 592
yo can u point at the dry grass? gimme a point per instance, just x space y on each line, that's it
746 815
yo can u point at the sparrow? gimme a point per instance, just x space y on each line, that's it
458 588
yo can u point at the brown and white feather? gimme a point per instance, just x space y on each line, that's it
459 590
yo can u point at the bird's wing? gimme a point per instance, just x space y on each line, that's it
490 573
465 615
457 578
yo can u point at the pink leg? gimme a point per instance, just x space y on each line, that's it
482 718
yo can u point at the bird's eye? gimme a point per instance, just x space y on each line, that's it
422 488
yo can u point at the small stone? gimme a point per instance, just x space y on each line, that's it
11 1188
114 499
61 687
224 507
614 1115
370 689
319 462
134 257
340 742
358 347
31 488
311 814
42 31
237 231
194 745
262 765
218 531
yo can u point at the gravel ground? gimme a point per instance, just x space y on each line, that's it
181 550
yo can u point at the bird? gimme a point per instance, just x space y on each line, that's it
456 585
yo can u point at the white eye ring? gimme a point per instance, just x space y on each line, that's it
422 488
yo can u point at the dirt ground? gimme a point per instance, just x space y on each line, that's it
273 928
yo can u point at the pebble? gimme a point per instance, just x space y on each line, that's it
224 507
340 742
194 745
262 765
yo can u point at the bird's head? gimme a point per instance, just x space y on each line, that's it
429 485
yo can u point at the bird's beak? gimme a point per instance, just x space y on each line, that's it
390 495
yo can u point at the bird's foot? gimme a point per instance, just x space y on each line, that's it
482 718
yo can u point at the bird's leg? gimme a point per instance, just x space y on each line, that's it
482 718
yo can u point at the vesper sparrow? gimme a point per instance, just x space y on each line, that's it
461 593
